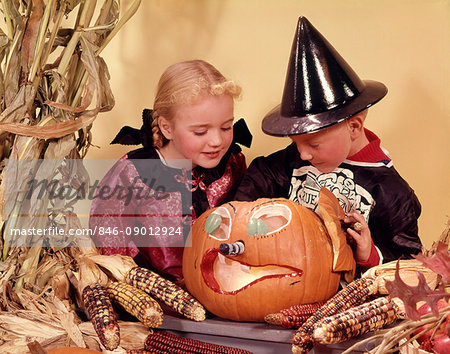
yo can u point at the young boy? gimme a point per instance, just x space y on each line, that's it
323 110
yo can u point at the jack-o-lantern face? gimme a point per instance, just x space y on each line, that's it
281 255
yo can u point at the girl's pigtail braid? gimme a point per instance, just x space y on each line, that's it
158 137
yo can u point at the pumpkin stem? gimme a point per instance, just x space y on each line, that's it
232 249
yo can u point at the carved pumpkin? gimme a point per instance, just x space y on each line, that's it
287 258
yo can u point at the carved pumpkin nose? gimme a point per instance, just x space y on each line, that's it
232 249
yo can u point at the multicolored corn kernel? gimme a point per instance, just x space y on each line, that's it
356 321
102 315
168 292
136 302
353 294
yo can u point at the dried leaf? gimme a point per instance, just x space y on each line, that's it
411 295
4 42
408 270
12 70
60 148
28 267
56 130
45 271
107 98
19 105
109 13
31 33
439 262
71 4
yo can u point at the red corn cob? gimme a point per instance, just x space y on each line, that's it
294 316
165 342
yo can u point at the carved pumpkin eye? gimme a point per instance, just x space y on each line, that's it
218 224
257 227
269 219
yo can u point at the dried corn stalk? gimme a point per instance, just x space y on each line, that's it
53 84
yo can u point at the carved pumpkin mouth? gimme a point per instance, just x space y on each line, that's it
227 276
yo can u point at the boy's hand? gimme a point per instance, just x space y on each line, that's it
361 237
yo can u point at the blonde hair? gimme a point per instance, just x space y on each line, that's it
183 83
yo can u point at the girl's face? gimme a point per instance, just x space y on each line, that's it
201 132
325 149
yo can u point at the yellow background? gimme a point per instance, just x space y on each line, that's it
403 43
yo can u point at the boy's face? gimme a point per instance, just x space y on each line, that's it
327 148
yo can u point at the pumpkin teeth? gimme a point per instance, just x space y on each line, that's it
221 258
245 268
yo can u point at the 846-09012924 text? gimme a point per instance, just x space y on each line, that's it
128 231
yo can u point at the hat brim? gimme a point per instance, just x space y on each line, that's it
274 123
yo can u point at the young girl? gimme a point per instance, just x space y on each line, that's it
158 195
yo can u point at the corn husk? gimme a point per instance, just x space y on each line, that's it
44 317
60 284
89 274
132 334
115 265
18 331
407 269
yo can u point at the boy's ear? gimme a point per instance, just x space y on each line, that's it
165 127
356 124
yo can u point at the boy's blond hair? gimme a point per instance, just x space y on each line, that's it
183 83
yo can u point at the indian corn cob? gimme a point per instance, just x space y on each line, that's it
136 302
353 294
356 321
294 316
165 342
168 292
102 315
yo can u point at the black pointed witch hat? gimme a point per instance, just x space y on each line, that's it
320 90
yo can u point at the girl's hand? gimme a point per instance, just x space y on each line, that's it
361 235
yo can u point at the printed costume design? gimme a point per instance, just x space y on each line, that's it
307 181
153 224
